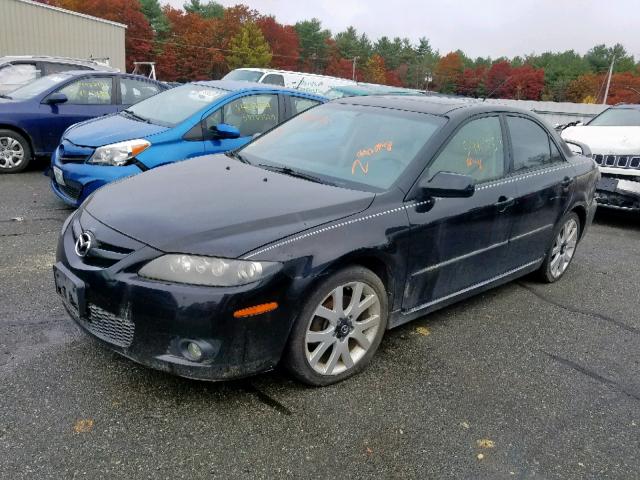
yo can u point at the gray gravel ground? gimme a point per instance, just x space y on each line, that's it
542 381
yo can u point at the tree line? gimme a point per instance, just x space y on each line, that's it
205 40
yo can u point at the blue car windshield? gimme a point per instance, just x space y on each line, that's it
347 145
171 107
38 86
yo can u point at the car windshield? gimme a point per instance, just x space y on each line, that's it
348 145
171 107
243 75
617 117
38 86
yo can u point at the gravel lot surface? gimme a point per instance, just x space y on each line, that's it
525 381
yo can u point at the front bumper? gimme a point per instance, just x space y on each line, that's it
82 179
150 322
621 193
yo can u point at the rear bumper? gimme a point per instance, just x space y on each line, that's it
619 193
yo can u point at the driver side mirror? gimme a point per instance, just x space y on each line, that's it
224 130
578 147
448 185
56 98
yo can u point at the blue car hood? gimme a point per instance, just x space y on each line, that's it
110 129
213 205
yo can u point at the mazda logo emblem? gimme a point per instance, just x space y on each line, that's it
83 244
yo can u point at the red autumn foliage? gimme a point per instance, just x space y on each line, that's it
189 52
448 72
283 41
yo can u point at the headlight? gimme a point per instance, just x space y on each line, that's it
118 154
211 271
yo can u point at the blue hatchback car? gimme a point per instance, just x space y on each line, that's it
33 117
187 121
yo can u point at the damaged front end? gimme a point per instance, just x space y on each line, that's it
619 186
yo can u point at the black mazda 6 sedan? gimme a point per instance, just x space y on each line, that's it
304 246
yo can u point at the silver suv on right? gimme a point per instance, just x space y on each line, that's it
16 71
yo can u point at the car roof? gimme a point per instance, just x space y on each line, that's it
240 85
71 61
78 73
435 105
633 106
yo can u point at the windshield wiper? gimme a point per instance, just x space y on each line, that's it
137 117
294 173
237 156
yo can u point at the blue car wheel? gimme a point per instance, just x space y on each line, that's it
15 152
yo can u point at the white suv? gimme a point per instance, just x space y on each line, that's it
614 140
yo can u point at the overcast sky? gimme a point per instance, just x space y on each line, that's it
477 27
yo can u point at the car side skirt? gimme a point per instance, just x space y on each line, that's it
399 317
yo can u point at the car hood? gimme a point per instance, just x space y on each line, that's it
214 205
110 129
606 140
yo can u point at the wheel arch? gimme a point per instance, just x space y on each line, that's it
581 211
375 261
14 128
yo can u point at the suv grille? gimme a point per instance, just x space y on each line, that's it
618 161
110 328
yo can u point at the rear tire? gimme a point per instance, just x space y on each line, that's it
339 328
15 152
562 249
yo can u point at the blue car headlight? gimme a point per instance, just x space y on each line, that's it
210 271
118 154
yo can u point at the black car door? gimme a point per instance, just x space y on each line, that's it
459 243
544 186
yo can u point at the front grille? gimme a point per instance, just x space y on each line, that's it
72 158
109 327
70 191
102 254
618 161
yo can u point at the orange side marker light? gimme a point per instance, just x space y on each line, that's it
255 310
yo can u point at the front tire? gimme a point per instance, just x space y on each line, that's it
562 250
15 152
339 328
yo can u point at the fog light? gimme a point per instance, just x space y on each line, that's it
194 351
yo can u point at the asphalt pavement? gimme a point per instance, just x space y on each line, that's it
525 381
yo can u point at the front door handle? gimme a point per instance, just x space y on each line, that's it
566 182
504 203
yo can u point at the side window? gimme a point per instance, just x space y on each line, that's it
475 150
51 68
299 104
19 74
530 143
132 90
89 91
252 114
214 119
273 79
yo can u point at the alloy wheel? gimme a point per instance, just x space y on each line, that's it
342 328
563 248
11 153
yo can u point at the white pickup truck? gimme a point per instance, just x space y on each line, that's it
614 140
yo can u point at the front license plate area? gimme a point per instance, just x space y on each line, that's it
57 173
608 184
70 288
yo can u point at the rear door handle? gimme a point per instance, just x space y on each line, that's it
503 203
